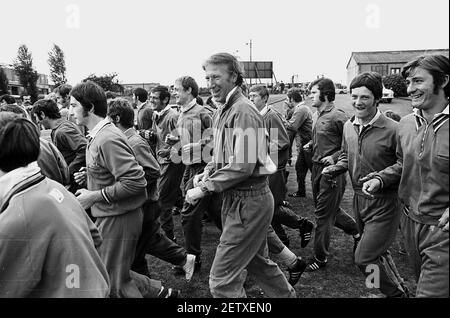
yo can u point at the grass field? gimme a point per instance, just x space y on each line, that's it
340 279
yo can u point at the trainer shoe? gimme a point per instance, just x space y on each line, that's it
169 293
305 228
296 271
314 264
189 266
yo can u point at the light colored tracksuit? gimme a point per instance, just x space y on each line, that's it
366 150
423 170
113 169
328 192
247 207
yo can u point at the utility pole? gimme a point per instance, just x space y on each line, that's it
250 45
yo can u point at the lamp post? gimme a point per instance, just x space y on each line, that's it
250 45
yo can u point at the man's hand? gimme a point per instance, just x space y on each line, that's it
443 221
80 177
329 171
200 178
164 153
370 187
171 139
86 198
193 195
327 161
308 146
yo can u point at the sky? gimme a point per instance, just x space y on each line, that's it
159 41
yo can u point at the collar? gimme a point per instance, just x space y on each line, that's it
438 119
98 127
129 132
189 106
230 94
162 112
58 123
264 111
358 123
16 176
327 109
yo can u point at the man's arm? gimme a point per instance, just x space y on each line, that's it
75 141
298 118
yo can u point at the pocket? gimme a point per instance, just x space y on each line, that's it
233 231
442 163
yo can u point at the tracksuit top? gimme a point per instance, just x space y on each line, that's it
113 169
164 123
301 123
327 133
273 120
422 166
235 159
369 151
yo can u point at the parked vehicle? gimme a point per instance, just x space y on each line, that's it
388 95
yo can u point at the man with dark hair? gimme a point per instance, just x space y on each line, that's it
63 95
193 124
7 99
51 161
51 239
369 145
239 170
423 172
164 123
299 128
327 191
140 99
116 190
152 240
65 135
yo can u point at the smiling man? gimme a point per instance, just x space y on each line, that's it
369 144
422 168
239 169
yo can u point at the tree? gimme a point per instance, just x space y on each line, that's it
397 83
23 66
3 82
57 66
108 82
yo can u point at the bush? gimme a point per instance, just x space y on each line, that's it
397 83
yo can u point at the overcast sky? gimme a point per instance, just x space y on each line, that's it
158 41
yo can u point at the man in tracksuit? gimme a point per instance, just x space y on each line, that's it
239 168
423 171
327 192
152 240
299 128
116 191
369 145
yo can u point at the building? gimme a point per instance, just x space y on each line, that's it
129 88
383 62
15 88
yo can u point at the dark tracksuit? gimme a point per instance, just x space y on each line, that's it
169 182
366 151
423 170
239 167
279 153
301 123
328 192
151 241
193 123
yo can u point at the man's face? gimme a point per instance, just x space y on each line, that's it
181 96
257 100
76 110
44 121
220 82
364 103
62 101
314 95
155 101
421 89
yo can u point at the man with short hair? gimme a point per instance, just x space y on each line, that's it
299 128
47 243
65 135
63 95
164 123
369 144
423 172
116 190
239 168
327 192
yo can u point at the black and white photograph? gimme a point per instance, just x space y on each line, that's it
224 154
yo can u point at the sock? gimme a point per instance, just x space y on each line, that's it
287 258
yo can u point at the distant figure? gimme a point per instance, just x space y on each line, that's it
282 87
394 116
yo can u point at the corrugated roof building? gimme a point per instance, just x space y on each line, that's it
383 62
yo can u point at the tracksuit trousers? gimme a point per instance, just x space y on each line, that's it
378 220
169 192
246 215
427 247
120 234
327 194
